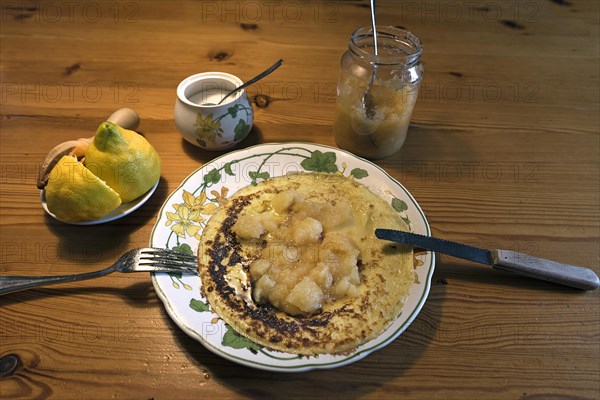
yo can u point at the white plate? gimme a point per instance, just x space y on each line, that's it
223 177
119 212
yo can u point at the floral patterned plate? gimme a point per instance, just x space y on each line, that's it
187 210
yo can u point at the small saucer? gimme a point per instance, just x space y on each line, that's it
119 212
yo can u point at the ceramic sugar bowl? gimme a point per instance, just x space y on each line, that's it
205 123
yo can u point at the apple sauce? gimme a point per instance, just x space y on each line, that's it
307 260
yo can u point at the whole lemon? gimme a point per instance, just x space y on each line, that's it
75 194
125 160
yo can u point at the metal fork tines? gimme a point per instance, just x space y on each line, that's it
161 258
138 260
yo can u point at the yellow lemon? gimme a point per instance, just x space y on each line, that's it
75 194
125 160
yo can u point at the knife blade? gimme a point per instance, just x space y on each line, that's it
520 263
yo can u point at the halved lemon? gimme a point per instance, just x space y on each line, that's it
75 194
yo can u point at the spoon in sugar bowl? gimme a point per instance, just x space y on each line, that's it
248 83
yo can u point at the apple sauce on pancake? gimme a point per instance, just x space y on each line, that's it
293 264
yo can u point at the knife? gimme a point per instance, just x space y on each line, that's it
520 263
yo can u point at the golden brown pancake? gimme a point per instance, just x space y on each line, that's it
386 269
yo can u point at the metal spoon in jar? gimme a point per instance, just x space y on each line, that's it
368 102
248 83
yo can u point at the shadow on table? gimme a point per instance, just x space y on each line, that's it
433 155
376 371
103 244
139 294
437 142
203 156
351 381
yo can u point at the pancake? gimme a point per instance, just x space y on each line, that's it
350 306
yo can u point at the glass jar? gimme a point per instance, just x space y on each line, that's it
393 78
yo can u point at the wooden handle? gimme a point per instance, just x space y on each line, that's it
540 268
124 117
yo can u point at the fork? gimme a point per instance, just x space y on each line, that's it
138 260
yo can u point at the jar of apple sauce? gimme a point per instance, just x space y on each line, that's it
377 128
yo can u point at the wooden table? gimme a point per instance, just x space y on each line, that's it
503 152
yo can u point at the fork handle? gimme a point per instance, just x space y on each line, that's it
10 284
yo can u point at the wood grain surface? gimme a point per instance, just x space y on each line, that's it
503 152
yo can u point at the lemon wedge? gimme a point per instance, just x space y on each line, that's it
75 194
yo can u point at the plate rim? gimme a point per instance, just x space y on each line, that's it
353 357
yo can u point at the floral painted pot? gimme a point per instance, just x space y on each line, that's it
204 123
